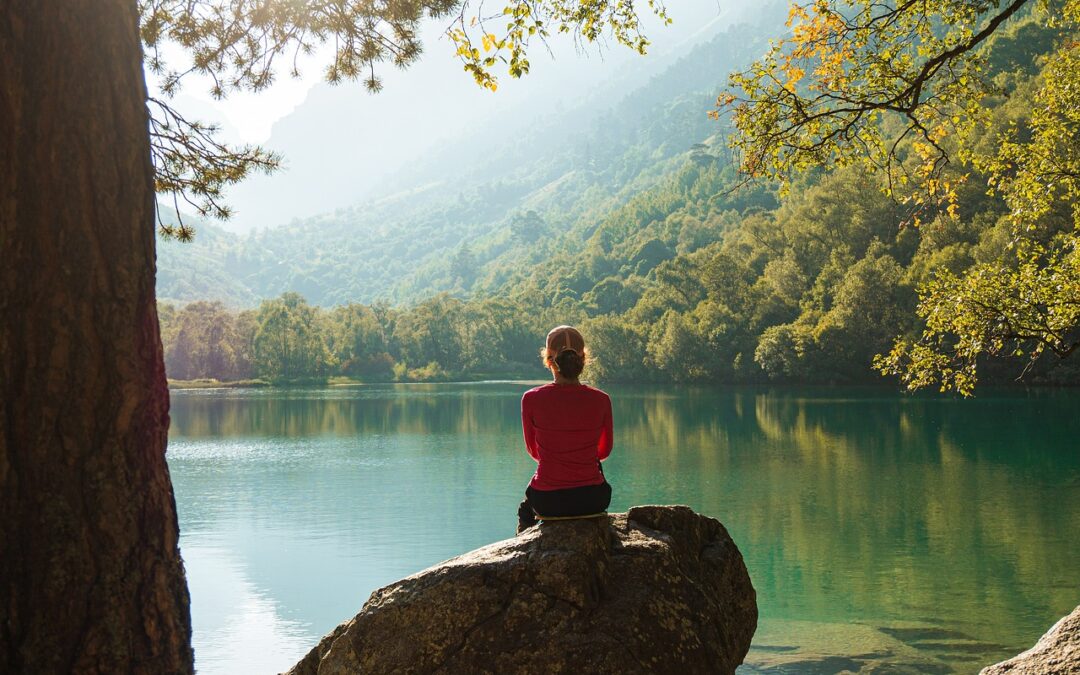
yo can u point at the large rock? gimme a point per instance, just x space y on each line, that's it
1056 653
656 589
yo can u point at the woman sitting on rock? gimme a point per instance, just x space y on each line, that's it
567 428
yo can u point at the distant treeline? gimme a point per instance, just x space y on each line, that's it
286 339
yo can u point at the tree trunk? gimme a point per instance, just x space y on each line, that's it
90 573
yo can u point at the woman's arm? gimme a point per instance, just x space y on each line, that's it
606 440
528 429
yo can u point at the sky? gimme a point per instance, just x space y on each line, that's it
340 142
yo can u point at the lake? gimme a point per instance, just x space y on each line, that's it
927 533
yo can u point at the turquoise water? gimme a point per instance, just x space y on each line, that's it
880 531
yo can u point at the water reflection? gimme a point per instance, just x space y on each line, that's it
234 616
343 411
851 506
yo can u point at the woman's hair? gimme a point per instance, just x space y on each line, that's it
565 351
570 363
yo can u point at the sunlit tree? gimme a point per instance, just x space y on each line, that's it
356 340
904 90
289 342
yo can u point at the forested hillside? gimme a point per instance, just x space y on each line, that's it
486 198
637 228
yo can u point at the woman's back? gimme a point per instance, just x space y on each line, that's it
567 427
568 430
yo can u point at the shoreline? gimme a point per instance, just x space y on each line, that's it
339 381
514 378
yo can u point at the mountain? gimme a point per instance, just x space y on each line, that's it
458 217
343 145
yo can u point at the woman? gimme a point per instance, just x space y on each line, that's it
567 428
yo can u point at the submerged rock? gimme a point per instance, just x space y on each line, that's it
788 647
657 589
1056 653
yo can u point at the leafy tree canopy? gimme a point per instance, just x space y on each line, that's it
906 89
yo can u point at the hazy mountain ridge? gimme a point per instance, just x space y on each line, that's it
568 174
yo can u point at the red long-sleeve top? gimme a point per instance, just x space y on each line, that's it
567 431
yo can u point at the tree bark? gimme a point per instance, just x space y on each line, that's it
91 578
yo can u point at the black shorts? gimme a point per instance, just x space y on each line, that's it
579 501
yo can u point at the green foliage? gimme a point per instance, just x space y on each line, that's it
1023 312
869 304
357 342
820 97
906 90
463 266
531 19
616 349
783 352
528 227
289 340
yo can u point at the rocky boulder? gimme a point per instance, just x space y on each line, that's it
656 589
1056 653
